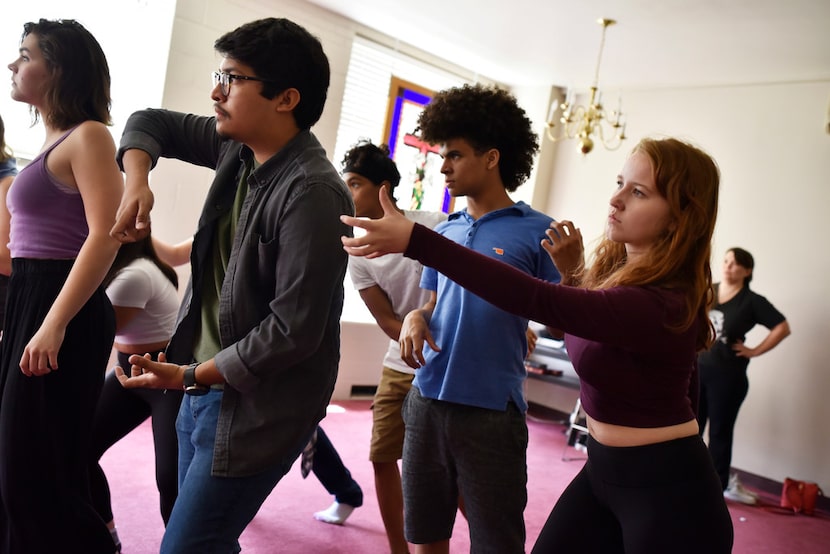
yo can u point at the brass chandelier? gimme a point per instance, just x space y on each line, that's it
591 122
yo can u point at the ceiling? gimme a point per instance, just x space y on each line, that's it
656 43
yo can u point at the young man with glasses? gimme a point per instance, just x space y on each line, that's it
257 344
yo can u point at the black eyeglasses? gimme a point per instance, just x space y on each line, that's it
224 79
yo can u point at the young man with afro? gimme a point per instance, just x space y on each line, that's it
466 433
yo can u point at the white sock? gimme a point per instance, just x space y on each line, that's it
115 539
336 513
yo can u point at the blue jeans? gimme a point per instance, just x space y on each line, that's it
210 512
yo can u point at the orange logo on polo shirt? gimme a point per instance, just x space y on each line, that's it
499 251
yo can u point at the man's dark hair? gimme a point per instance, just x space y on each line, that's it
80 86
372 162
486 117
287 56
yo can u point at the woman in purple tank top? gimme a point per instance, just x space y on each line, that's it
59 323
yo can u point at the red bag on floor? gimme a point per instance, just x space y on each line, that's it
800 496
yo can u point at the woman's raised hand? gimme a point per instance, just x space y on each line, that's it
386 235
564 246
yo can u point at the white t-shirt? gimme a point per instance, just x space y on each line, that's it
400 279
142 285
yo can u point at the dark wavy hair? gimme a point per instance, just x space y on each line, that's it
80 88
287 56
486 117
689 179
373 162
131 251
744 259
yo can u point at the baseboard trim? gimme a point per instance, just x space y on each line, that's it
773 487
362 391
768 486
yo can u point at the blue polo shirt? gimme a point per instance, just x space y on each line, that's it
481 362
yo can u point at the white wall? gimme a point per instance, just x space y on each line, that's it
774 155
136 65
775 160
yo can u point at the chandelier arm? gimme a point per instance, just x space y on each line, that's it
576 121
584 121
612 143
551 136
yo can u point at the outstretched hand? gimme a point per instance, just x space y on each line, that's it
386 235
144 372
565 248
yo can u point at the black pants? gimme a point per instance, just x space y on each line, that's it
722 391
45 421
661 497
333 474
120 411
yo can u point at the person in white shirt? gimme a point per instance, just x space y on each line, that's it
142 290
390 287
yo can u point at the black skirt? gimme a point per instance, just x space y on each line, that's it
45 421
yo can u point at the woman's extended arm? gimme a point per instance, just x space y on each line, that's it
616 316
498 283
173 254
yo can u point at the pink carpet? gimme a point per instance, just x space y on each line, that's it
285 523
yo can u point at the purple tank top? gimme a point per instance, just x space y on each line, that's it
47 217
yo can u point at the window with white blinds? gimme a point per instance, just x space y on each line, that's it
366 95
363 114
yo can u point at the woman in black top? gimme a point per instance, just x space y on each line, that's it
723 378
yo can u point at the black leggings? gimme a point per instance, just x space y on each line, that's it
662 497
722 391
120 411
333 474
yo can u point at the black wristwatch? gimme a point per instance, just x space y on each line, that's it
189 383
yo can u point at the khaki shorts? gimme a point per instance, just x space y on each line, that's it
387 423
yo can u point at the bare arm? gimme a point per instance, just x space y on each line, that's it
173 254
124 315
775 336
381 309
133 216
91 160
5 255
